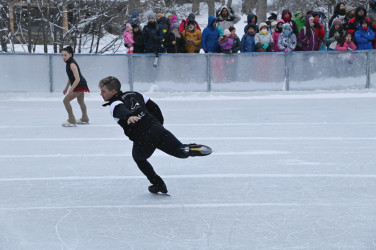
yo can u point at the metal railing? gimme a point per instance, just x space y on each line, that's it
195 72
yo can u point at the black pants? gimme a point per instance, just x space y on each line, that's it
156 137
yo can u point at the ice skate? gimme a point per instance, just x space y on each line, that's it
194 149
158 185
155 188
81 122
68 124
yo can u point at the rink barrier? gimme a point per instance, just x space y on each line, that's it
320 70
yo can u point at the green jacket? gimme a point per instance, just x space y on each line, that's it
300 22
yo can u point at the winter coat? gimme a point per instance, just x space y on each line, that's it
153 37
178 47
249 18
230 20
275 36
261 39
248 43
183 25
346 46
353 23
128 37
364 38
225 44
194 35
237 44
299 22
209 38
291 22
308 37
287 42
164 23
138 45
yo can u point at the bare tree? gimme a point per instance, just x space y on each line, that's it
248 5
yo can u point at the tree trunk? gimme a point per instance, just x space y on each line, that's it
261 10
196 7
229 3
29 25
247 6
211 7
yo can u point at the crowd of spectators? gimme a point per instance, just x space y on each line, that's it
347 28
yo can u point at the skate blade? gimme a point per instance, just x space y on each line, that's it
68 125
204 150
83 123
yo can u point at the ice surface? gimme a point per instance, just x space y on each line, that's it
290 170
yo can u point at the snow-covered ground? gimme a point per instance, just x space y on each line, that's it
290 170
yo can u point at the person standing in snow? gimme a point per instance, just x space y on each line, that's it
210 35
142 121
184 22
263 39
287 39
153 36
226 18
175 41
192 38
78 87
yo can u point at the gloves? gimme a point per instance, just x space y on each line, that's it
265 46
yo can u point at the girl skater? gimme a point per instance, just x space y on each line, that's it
77 89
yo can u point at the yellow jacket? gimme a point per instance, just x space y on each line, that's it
194 35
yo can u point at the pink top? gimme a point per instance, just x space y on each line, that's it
346 46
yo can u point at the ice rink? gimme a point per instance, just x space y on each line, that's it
290 170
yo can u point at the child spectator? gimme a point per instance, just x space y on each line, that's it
248 39
336 31
237 44
346 43
263 39
276 33
128 38
226 42
364 36
287 39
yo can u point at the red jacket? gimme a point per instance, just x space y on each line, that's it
320 32
352 26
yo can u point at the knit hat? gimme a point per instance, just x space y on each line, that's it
226 32
159 15
168 15
175 24
191 16
151 15
337 21
273 16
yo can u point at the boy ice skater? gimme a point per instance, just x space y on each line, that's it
142 121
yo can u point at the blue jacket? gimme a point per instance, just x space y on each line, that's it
248 43
209 38
364 38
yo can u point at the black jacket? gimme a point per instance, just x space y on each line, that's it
130 103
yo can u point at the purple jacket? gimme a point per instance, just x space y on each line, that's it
308 43
226 43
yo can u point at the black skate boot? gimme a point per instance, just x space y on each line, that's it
158 186
194 149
